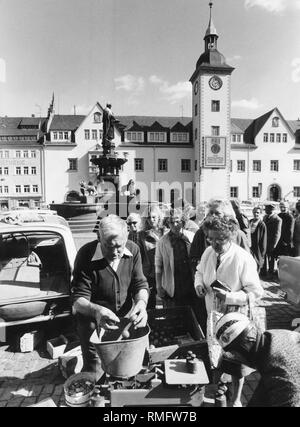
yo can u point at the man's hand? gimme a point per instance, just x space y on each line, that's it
139 315
105 318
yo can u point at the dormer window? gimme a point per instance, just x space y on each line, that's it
97 117
275 122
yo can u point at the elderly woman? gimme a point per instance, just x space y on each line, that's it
215 208
174 278
226 275
147 241
108 282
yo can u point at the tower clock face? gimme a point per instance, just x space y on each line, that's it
196 87
215 82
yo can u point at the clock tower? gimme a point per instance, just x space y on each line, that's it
211 120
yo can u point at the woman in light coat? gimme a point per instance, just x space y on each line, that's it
226 275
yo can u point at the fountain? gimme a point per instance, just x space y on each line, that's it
93 200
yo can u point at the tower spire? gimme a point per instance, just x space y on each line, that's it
211 30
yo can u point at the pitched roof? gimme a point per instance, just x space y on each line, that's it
178 127
18 132
66 122
240 125
294 125
148 121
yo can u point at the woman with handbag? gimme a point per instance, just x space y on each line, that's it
226 275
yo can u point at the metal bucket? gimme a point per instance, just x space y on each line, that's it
82 400
123 359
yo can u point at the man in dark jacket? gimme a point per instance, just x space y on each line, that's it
275 354
108 283
284 246
258 238
273 224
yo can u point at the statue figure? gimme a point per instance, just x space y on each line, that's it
108 128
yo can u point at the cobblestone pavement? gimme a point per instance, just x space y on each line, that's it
29 378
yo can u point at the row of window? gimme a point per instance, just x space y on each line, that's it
18 189
272 137
256 192
162 165
25 170
256 165
18 154
92 134
61 135
157 136
139 165
18 138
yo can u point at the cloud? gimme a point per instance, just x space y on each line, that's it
273 6
296 71
2 70
172 93
130 83
251 104
133 84
156 80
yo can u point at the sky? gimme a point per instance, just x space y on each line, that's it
140 54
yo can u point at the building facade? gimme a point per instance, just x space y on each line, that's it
21 154
211 154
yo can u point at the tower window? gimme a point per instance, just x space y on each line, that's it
196 134
215 130
215 106
275 122
196 109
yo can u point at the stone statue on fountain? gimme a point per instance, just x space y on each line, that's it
108 130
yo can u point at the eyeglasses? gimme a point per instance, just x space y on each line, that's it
218 241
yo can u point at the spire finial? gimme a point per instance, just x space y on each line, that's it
210 6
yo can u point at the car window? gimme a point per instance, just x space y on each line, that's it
33 265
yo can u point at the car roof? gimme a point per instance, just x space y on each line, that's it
17 221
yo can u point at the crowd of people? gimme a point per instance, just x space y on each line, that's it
212 266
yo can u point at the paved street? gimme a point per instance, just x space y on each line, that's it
28 378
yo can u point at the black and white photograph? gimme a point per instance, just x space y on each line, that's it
149 206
